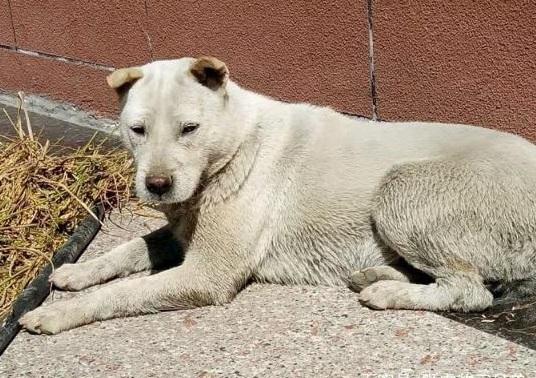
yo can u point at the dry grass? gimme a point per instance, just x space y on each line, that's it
44 196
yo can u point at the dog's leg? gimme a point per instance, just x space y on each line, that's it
461 292
203 279
155 250
398 270
366 277
457 222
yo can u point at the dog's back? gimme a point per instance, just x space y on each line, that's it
325 170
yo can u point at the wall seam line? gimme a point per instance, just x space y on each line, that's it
58 58
12 22
147 36
372 71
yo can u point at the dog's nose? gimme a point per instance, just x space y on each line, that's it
158 184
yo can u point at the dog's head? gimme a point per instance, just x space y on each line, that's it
176 121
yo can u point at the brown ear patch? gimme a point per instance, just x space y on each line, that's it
124 76
210 72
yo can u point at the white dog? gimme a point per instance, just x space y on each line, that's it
256 189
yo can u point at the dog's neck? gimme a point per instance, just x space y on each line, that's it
228 180
228 175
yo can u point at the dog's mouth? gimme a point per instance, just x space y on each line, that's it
155 199
167 198
175 195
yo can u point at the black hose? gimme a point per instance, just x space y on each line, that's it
37 291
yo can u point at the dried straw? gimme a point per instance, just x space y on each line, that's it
45 195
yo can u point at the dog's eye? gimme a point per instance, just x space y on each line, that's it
189 127
138 129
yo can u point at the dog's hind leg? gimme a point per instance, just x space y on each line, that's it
398 272
462 292
366 277
156 250
460 222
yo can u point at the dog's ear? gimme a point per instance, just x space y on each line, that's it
124 77
210 72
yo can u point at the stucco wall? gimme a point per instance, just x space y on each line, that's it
298 51
459 61
470 62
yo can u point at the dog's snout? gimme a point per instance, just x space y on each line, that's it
158 184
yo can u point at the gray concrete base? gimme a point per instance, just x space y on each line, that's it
59 111
60 134
268 331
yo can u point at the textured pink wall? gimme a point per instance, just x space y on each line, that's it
77 84
6 30
99 31
470 62
297 51
301 50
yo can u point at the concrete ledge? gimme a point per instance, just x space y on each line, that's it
60 111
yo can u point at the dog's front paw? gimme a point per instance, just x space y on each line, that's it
54 318
74 277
